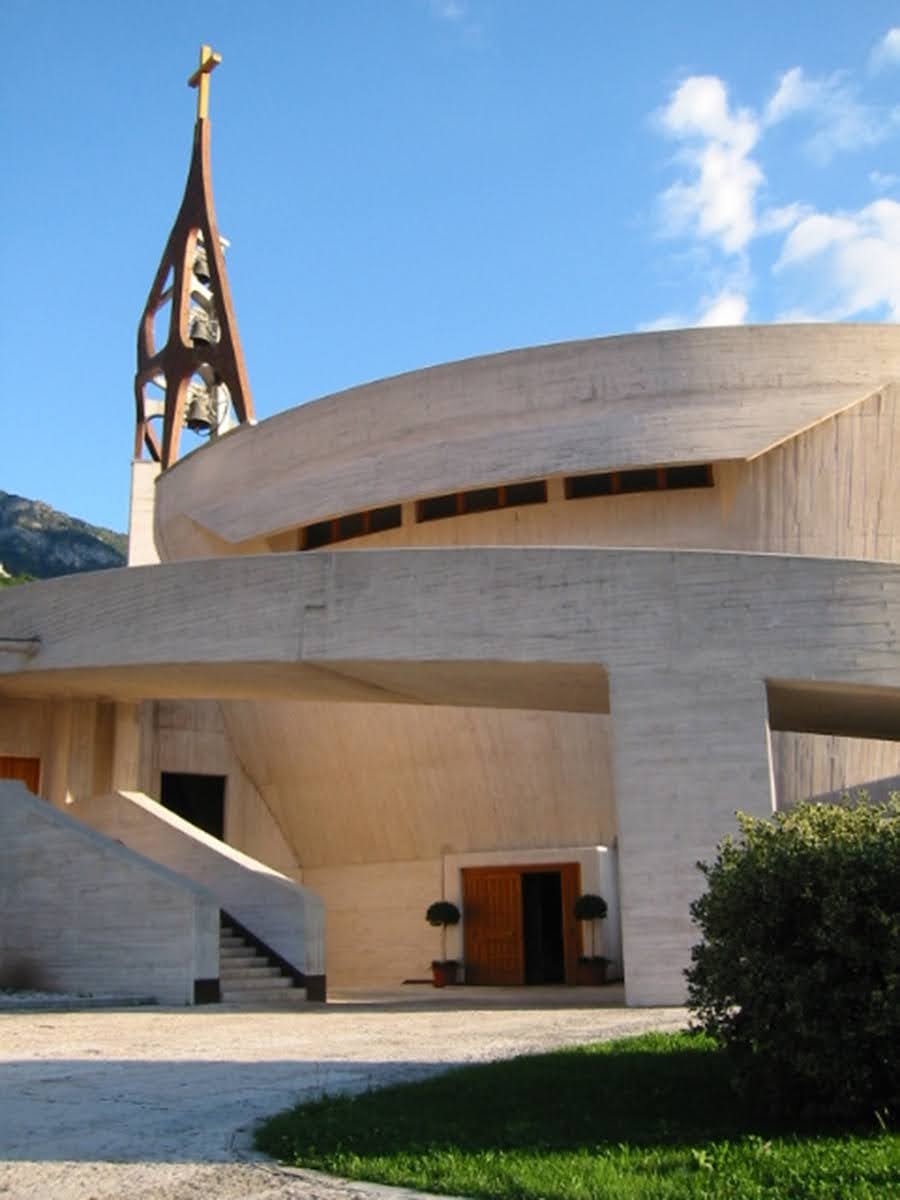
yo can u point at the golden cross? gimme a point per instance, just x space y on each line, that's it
209 60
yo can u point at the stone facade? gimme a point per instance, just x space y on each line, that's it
528 672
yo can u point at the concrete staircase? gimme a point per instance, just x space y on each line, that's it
247 977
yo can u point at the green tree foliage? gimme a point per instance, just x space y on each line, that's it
798 972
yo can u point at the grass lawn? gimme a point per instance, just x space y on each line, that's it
644 1118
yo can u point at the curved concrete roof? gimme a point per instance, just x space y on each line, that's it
675 397
520 628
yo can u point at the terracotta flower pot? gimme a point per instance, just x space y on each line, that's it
443 973
591 972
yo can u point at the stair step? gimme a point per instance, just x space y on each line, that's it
259 970
247 977
289 998
257 982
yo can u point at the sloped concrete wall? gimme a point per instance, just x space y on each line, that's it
90 915
287 917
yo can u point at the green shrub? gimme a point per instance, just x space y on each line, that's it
798 972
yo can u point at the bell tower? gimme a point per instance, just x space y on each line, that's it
190 367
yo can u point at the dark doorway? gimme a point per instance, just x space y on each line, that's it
542 927
199 799
519 923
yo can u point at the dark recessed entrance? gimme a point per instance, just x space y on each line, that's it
542 927
199 799
519 923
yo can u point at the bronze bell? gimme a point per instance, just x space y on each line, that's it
204 329
200 409
201 266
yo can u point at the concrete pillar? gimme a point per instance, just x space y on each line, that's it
55 767
141 541
690 749
126 761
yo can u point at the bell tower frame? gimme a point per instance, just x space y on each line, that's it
200 341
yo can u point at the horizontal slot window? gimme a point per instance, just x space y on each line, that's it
696 475
481 500
580 487
436 507
485 499
638 481
388 517
352 525
534 492
317 535
643 479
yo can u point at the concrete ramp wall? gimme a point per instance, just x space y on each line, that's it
288 918
87 914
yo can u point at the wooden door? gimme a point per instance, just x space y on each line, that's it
570 881
492 931
28 770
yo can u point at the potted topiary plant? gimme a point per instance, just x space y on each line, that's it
591 967
443 913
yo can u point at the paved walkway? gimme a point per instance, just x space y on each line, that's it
161 1103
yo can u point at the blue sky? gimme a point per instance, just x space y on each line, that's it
406 182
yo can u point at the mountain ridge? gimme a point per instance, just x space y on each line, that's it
38 540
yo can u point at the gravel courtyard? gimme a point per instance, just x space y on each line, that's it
161 1103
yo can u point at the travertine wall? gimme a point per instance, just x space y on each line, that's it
693 643
191 737
376 933
803 427
93 916
702 395
287 917
397 785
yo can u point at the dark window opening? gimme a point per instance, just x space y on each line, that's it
645 480
385 518
435 507
642 479
580 487
317 535
696 475
481 500
534 492
199 799
486 499
351 526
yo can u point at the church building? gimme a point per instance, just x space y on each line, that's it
500 632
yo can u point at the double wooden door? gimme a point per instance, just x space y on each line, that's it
494 932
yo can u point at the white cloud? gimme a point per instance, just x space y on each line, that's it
794 93
448 10
854 259
883 181
829 264
887 52
842 121
777 220
667 321
719 200
728 308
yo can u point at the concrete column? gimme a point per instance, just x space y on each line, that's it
55 767
690 749
126 761
141 541
82 750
